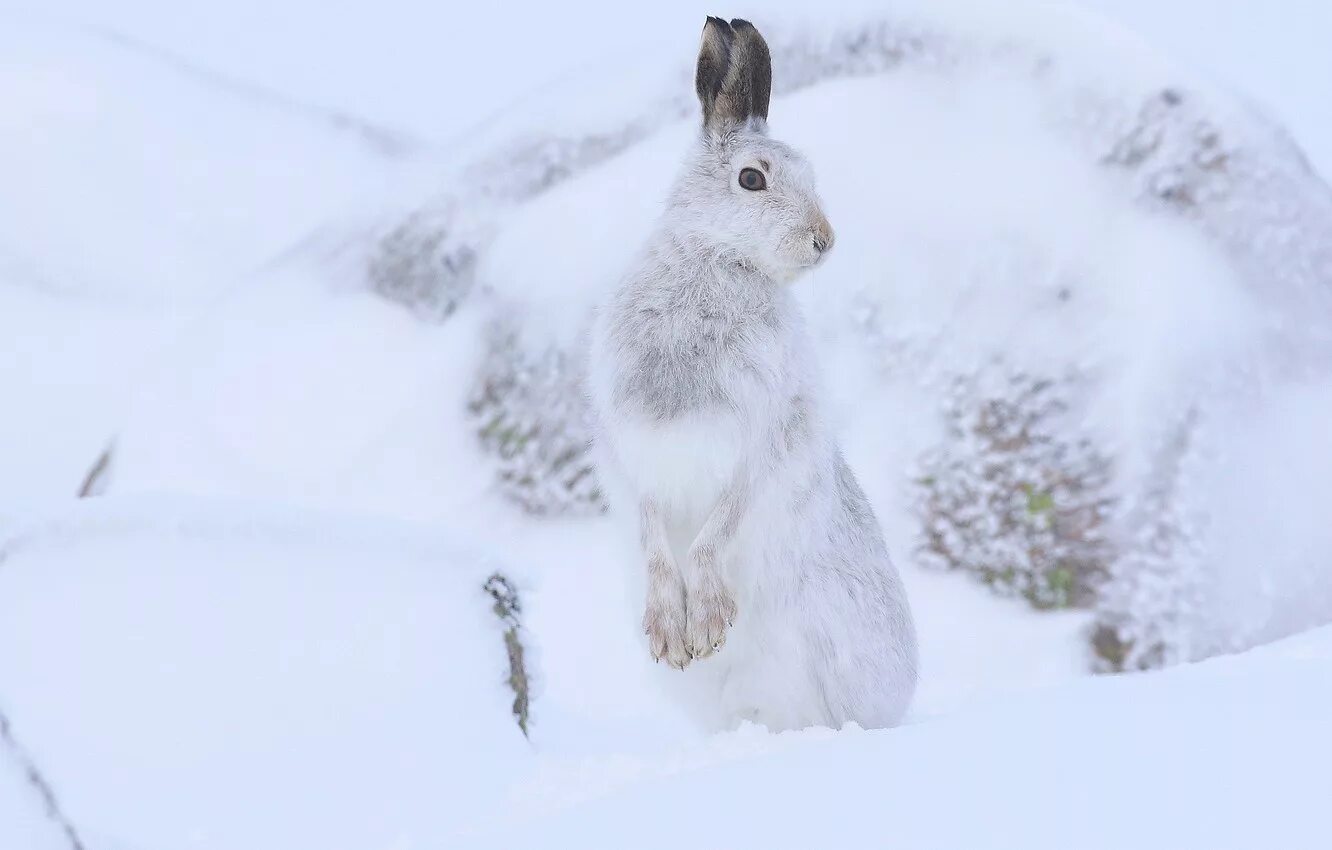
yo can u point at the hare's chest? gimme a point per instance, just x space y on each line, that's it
685 462
680 375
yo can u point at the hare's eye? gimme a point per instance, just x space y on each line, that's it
752 179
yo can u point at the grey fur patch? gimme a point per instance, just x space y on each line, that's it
854 502
796 430
680 339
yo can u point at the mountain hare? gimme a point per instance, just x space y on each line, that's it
767 575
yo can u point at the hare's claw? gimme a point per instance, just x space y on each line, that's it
711 611
664 626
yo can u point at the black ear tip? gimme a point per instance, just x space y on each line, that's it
716 22
740 24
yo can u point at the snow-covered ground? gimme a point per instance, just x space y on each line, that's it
215 674
223 675
218 674
1213 756
134 193
271 632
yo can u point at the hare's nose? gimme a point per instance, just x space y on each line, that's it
823 236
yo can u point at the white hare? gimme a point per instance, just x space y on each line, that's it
767 574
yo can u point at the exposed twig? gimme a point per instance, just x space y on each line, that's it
507 609
93 482
38 783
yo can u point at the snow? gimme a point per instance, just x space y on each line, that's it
271 631
230 670
1285 493
401 50
1273 55
242 668
1215 755
23 819
133 196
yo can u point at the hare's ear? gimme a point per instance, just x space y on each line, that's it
734 78
756 66
714 60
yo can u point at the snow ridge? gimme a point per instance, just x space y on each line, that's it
382 140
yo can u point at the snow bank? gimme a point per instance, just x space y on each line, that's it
1224 754
135 192
132 181
212 673
220 675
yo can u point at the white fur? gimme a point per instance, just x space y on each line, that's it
768 585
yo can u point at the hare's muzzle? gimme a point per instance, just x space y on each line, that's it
823 236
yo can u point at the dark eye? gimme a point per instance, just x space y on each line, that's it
752 179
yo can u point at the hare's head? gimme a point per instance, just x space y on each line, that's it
750 193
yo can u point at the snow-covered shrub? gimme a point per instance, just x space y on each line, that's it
1229 544
424 264
1244 182
1014 494
1140 612
529 413
427 261
1180 152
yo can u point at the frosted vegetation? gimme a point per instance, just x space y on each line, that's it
1014 495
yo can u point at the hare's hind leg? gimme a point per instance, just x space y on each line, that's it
664 617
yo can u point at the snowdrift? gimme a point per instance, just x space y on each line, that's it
220 675
131 201
217 675
1211 755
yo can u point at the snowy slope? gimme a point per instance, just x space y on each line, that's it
24 820
1273 53
1217 755
133 194
219 676
332 718
389 63
262 677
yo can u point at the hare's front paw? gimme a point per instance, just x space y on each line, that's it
664 624
711 611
